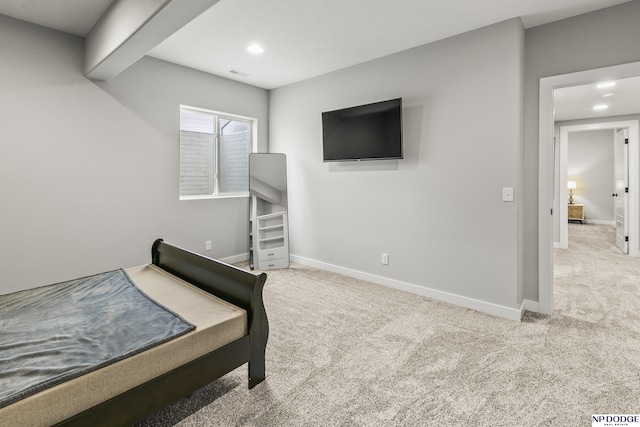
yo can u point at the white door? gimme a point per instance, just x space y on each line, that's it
621 177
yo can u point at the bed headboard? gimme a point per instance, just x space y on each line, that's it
239 287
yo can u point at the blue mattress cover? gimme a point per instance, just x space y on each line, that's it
52 334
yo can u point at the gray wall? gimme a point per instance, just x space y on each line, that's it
594 40
89 171
439 212
590 164
429 217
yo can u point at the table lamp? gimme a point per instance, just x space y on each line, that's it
571 185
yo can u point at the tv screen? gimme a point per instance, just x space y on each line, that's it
365 132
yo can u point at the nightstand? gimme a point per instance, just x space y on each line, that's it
575 212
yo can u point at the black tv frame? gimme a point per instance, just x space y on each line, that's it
344 121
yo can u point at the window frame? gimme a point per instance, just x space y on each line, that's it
214 162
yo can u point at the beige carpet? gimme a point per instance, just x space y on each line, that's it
344 352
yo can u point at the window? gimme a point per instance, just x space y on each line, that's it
214 153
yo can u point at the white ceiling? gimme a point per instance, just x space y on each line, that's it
304 38
70 16
577 102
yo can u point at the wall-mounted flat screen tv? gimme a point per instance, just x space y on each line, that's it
366 132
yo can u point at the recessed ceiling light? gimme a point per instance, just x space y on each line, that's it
608 94
600 107
255 48
606 85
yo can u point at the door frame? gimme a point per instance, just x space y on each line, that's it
546 168
634 214
621 149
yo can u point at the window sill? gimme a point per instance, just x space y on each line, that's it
216 196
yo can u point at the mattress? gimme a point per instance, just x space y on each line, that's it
217 323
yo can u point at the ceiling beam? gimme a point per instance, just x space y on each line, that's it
131 28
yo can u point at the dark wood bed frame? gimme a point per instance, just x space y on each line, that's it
240 288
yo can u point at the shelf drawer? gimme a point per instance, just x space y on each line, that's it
271 254
277 263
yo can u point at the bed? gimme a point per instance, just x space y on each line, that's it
230 328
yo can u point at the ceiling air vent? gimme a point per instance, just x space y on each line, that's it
238 73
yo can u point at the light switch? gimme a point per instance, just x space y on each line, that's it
507 194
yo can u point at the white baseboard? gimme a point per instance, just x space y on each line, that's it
474 304
600 221
528 305
235 258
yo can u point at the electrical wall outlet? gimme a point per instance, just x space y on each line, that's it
207 245
507 194
385 259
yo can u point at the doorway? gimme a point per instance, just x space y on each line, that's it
546 171
561 222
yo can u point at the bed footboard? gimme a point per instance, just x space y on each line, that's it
239 287
232 284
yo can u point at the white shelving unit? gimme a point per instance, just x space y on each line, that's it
271 241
